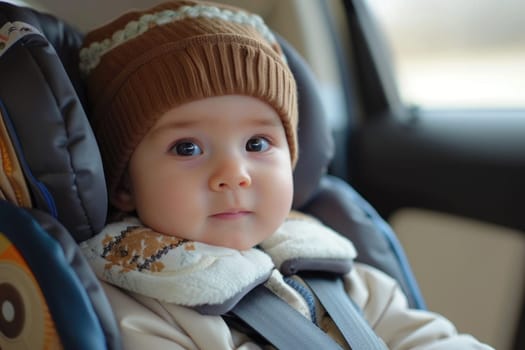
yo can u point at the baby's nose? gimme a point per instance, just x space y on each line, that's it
230 174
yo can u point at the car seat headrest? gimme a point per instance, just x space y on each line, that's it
46 124
316 146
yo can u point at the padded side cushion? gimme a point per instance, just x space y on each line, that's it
62 274
50 131
339 206
316 146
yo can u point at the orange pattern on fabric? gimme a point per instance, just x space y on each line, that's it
138 248
11 169
10 255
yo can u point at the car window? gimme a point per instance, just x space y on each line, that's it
456 53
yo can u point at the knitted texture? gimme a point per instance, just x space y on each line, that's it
145 63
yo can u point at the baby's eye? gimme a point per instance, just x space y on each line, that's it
186 149
257 144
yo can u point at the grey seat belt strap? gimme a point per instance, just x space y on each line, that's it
352 325
279 323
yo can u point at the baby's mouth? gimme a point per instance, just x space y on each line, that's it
231 214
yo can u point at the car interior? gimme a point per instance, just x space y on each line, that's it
432 197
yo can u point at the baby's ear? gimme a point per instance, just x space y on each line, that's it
123 198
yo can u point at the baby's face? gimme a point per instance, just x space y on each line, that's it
216 170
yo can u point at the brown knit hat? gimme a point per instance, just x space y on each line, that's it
144 63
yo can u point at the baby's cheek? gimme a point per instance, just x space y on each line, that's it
164 214
281 197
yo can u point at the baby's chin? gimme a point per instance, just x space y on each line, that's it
236 245
241 243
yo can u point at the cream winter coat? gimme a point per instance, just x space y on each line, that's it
157 283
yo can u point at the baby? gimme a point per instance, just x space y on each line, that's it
195 111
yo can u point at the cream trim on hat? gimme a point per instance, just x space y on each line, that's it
90 56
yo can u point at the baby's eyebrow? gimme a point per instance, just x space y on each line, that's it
262 119
174 125
255 120
264 122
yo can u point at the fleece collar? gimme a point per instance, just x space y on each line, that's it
199 275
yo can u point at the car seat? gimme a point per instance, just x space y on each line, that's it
53 194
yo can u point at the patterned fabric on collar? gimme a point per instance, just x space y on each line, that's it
139 248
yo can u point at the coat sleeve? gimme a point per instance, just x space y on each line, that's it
385 307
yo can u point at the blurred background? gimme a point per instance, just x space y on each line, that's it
479 45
